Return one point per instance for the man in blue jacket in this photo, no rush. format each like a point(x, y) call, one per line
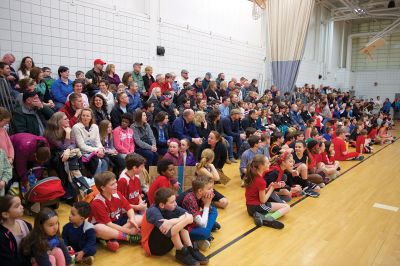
point(232, 130)
point(296, 117)
point(134, 97)
point(61, 88)
point(184, 128)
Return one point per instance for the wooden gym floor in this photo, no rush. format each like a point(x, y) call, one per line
point(341, 227)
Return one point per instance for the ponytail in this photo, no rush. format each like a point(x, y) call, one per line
point(252, 168)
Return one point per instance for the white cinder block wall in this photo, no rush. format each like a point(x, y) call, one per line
point(74, 32)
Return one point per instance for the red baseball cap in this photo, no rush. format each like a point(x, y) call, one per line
point(99, 61)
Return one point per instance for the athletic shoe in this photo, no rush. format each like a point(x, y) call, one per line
point(273, 223)
point(197, 255)
point(360, 158)
point(203, 244)
point(321, 185)
point(228, 161)
point(338, 169)
point(87, 260)
point(135, 239)
point(112, 245)
point(242, 183)
point(311, 193)
point(258, 219)
point(233, 160)
point(216, 227)
point(183, 256)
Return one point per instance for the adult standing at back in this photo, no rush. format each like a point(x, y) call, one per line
point(137, 77)
point(61, 88)
point(182, 79)
point(12, 77)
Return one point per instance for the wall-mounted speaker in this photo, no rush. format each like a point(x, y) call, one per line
point(160, 50)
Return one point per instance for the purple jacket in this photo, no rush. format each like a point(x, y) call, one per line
point(114, 80)
point(25, 146)
point(190, 160)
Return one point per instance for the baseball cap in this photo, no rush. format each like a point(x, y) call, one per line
point(184, 71)
point(137, 64)
point(208, 74)
point(165, 97)
point(27, 95)
point(99, 61)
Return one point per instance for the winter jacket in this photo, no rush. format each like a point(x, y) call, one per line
point(143, 136)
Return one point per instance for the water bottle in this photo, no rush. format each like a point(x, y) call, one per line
point(31, 179)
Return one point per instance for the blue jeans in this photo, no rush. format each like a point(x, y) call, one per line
point(151, 157)
point(229, 139)
point(201, 233)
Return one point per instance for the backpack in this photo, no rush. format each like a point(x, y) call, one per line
point(44, 190)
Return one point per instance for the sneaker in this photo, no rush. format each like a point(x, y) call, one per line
point(203, 244)
point(87, 260)
point(112, 245)
point(311, 193)
point(338, 169)
point(135, 239)
point(242, 183)
point(273, 223)
point(321, 185)
point(359, 158)
point(183, 256)
point(258, 219)
point(216, 227)
point(228, 161)
point(233, 160)
point(197, 255)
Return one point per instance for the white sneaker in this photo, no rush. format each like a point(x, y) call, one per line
point(203, 244)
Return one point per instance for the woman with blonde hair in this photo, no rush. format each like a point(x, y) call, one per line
point(112, 77)
point(200, 122)
point(87, 137)
point(205, 167)
point(148, 78)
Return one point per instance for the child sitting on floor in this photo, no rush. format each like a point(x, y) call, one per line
point(341, 152)
point(112, 215)
point(79, 234)
point(129, 184)
point(166, 178)
point(164, 227)
point(43, 244)
point(198, 203)
point(257, 195)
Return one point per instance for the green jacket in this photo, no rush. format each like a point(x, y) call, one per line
point(139, 81)
point(26, 121)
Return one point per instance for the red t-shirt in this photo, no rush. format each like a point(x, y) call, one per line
point(360, 141)
point(340, 147)
point(372, 133)
point(105, 211)
point(130, 188)
point(159, 182)
point(252, 191)
point(328, 160)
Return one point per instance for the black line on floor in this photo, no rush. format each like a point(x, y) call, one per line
point(230, 243)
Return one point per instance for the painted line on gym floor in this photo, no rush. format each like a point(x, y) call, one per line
point(385, 207)
point(230, 243)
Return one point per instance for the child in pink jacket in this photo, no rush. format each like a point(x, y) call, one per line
point(123, 136)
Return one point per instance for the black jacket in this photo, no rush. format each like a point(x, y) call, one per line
point(220, 153)
point(9, 254)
